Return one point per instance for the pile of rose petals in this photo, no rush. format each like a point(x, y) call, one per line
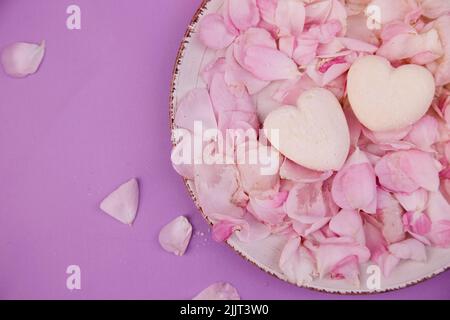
point(390, 201)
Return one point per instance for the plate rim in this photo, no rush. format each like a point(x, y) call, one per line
point(173, 83)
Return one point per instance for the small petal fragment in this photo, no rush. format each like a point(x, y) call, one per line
point(175, 236)
point(122, 204)
point(218, 291)
point(22, 59)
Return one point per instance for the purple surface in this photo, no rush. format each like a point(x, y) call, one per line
point(95, 115)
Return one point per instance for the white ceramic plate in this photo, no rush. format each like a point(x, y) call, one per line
point(192, 57)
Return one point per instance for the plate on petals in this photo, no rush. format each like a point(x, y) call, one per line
point(192, 58)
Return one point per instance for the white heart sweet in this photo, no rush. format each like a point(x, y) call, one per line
point(384, 98)
point(314, 134)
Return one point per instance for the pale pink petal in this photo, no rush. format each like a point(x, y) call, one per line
point(438, 207)
point(409, 249)
point(269, 64)
point(252, 230)
point(237, 77)
point(374, 240)
point(387, 263)
point(21, 59)
point(122, 204)
point(291, 171)
point(218, 291)
point(409, 45)
point(417, 223)
point(435, 8)
point(354, 187)
point(265, 101)
point(267, 8)
point(212, 68)
point(395, 28)
point(407, 171)
point(252, 37)
point(357, 45)
point(442, 74)
point(268, 209)
point(305, 225)
point(214, 33)
point(195, 106)
point(218, 190)
point(391, 10)
point(258, 167)
point(425, 133)
point(332, 256)
point(347, 269)
point(306, 200)
point(348, 223)
point(305, 51)
point(287, 45)
point(387, 137)
point(354, 126)
point(175, 236)
point(290, 17)
point(297, 263)
point(323, 11)
point(414, 201)
point(244, 14)
point(390, 213)
point(326, 32)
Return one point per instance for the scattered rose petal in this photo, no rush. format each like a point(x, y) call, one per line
point(218, 291)
point(175, 236)
point(122, 204)
point(21, 59)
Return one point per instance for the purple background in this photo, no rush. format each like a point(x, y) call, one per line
point(95, 115)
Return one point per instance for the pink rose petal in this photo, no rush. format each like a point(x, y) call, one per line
point(442, 74)
point(214, 32)
point(175, 236)
point(415, 201)
point(291, 171)
point(218, 291)
point(348, 223)
point(268, 209)
point(390, 213)
point(417, 223)
point(244, 14)
point(269, 64)
point(424, 133)
point(195, 106)
point(354, 186)
point(409, 249)
point(122, 204)
point(407, 171)
point(21, 59)
point(290, 17)
point(297, 262)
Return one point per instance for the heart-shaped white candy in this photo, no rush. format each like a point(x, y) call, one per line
point(314, 134)
point(384, 98)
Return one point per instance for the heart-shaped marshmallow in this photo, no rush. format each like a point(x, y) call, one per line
point(384, 98)
point(314, 134)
